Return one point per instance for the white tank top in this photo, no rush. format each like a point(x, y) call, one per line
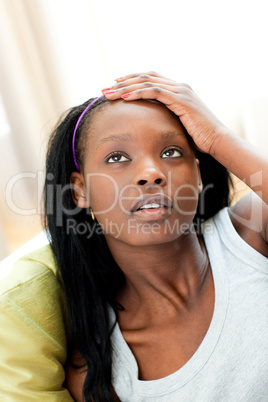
point(231, 364)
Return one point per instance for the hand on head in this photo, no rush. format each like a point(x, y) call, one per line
point(198, 120)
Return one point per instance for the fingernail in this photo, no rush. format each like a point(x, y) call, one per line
point(109, 92)
point(120, 78)
point(126, 95)
point(105, 89)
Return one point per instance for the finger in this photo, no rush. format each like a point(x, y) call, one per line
point(134, 78)
point(170, 99)
point(143, 80)
point(149, 73)
point(182, 89)
point(118, 93)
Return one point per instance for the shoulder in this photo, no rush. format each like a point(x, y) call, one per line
point(31, 295)
point(32, 290)
point(31, 267)
point(249, 217)
point(33, 329)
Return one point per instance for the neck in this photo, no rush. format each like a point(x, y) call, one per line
point(172, 274)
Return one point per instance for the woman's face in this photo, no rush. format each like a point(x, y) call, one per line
point(140, 175)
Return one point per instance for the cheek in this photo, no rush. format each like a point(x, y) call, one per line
point(186, 194)
point(186, 199)
point(103, 193)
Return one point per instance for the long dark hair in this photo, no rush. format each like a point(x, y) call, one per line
point(90, 276)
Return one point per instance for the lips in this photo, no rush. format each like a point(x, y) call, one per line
point(152, 202)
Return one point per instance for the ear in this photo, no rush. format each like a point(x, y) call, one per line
point(78, 190)
point(200, 184)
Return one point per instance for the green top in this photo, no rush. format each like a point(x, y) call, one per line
point(33, 331)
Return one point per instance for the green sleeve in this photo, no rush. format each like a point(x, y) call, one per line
point(32, 335)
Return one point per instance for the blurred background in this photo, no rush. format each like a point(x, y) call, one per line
point(55, 54)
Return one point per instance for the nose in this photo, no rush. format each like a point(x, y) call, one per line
point(150, 174)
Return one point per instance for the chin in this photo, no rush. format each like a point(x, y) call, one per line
point(149, 233)
point(152, 238)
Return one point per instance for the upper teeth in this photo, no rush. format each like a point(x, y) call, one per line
point(147, 206)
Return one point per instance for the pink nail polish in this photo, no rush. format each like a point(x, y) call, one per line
point(109, 92)
point(105, 89)
point(120, 78)
point(125, 95)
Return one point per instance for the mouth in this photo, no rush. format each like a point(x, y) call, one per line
point(153, 206)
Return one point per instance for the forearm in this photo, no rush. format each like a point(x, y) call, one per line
point(244, 161)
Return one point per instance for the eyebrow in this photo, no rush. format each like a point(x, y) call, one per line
point(114, 138)
point(170, 134)
point(127, 137)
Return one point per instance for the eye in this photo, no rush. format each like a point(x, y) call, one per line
point(116, 157)
point(171, 153)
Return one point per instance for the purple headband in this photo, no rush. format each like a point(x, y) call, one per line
point(76, 127)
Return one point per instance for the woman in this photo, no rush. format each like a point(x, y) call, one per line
point(162, 305)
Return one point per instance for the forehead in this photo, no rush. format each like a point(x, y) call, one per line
point(132, 117)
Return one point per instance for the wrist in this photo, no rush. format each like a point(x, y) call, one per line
point(222, 137)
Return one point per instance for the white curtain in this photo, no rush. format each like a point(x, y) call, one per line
point(35, 90)
point(31, 94)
